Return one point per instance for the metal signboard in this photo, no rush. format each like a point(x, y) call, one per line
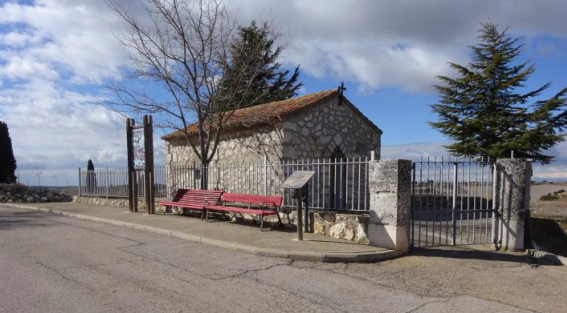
point(298, 179)
point(139, 148)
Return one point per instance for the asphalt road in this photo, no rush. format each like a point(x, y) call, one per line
point(50, 263)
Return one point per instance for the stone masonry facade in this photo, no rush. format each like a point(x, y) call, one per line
point(314, 133)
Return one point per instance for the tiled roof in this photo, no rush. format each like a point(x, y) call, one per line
point(265, 114)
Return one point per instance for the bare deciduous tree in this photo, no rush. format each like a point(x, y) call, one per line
point(180, 51)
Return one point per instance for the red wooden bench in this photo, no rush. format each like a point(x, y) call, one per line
point(193, 200)
point(249, 204)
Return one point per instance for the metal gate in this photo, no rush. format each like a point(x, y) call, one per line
point(453, 202)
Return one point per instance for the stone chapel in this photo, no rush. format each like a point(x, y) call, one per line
point(314, 126)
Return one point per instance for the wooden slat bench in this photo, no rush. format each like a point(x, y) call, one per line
point(249, 204)
point(193, 199)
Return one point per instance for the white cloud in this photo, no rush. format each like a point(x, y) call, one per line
point(51, 53)
point(402, 44)
point(72, 36)
point(414, 151)
point(557, 170)
point(57, 128)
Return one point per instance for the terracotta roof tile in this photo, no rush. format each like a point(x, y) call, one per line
point(265, 114)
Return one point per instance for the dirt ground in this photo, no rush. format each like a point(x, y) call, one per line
point(510, 278)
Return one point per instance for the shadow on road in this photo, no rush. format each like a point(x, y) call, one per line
point(11, 220)
point(464, 253)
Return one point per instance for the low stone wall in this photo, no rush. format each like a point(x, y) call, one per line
point(352, 227)
point(121, 202)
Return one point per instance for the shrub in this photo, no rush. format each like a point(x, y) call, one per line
point(549, 197)
point(13, 188)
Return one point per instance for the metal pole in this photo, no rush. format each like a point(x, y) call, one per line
point(494, 180)
point(107, 183)
point(299, 216)
point(265, 174)
point(79, 181)
point(131, 172)
point(412, 204)
point(454, 217)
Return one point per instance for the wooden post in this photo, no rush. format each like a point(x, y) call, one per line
point(131, 179)
point(135, 190)
point(299, 216)
point(149, 164)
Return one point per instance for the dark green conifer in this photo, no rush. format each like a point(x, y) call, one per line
point(7, 159)
point(261, 78)
point(486, 111)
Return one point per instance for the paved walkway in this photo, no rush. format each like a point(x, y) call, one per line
point(239, 236)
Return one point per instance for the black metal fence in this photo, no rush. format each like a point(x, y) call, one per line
point(338, 184)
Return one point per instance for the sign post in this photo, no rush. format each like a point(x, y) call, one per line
point(296, 182)
point(139, 139)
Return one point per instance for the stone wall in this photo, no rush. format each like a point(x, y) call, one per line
point(237, 147)
point(119, 202)
point(316, 132)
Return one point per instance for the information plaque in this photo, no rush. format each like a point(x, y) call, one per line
point(298, 179)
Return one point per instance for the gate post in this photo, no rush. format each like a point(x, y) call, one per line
point(390, 204)
point(454, 207)
point(514, 202)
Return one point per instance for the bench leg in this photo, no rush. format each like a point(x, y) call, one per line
point(279, 220)
point(261, 222)
point(224, 216)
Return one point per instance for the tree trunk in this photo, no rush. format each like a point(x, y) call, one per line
point(204, 175)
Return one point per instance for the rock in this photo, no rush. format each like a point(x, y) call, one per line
point(44, 199)
point(342, 231)
point(319, 225)
point(29, 199)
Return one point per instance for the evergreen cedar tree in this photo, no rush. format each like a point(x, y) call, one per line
point(7, 159)
point(253, 51)
point(90, 179)
point(90, 165)
point(486, 115)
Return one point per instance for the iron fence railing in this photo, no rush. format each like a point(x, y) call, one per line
point(453, 202)
point(338, 184)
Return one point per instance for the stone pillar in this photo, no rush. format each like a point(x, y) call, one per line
point(390, 200)
point(514, 178)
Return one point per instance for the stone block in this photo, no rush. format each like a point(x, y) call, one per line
point(514, 178)
point(390, 200)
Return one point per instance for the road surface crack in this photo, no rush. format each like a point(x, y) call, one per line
point(244, 272)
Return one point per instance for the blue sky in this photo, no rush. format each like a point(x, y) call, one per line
point(55, 54)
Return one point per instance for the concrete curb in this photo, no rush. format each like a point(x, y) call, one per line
point(363, 257)
point(547, 256)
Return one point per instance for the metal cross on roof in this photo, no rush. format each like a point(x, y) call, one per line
point(341, 90)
